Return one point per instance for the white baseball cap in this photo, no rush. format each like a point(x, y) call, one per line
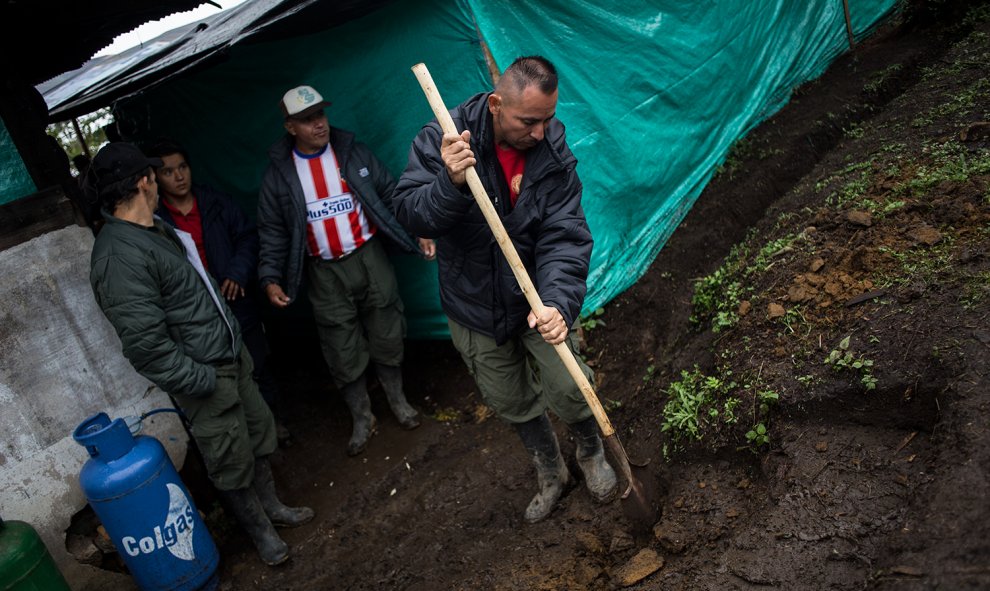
point(301, 101)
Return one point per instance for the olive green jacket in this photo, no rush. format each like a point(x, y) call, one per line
point(172, 328)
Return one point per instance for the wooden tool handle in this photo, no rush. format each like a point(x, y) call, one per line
point(502, 237)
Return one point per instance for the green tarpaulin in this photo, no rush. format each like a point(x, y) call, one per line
point(15, 182)
point(653, 95)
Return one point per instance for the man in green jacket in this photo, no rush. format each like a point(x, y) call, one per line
point(177, 331)
point(325, 206)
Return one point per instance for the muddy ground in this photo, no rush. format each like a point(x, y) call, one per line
point(861, 210)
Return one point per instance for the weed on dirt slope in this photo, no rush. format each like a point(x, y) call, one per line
point(805, 364)
point(826, 418)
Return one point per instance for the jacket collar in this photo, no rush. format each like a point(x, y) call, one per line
point(548, 156)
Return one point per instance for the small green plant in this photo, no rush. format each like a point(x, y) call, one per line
point(976, 290)
point(592, 320)
point(690, 398)
point(843, 358)
point(757, 436)
point(852, 191)
point(766, 399)
point(806, 380)
point(716, 300)
point(729, 410)
point(880, 78)
point(770, 250)
point(739, 152)
point(649, 373)
point(855, 131)
point(794, 318)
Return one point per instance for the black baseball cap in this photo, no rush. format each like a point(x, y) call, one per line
point(117, 161)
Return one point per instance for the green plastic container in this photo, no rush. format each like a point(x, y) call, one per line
point(25, 564)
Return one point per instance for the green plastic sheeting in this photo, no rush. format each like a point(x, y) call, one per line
point(15, 182)
point(655, 92)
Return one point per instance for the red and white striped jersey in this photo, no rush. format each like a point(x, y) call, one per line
point(337, 223)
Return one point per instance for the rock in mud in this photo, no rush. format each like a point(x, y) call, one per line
point(860, 218)
point(643, 564)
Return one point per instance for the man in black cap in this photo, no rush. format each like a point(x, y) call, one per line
point(325, 206)
point(178, 332)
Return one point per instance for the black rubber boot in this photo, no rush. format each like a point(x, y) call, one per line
point(551, 471)
point(247, 510)
point(391, 380)
point(356, 397)
point(599, 476)
point(279, 514)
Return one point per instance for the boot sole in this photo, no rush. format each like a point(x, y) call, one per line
point(606, 498)
point(410, 425)
point(276, 562)
point(287, 525)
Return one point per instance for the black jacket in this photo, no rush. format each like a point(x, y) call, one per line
point(547, 226)
point(230, 240)
point(282, 207)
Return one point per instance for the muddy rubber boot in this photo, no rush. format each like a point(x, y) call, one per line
point(551, 471)
point(356, 397)
point(278, 513)
point(247, 510)
point(391, 380)
point(599, 476)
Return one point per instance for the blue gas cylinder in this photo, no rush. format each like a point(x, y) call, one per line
point(149, 515)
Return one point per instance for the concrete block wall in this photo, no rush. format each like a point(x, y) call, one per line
point(60, 362)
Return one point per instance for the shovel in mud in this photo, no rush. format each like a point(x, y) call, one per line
point(638, 499)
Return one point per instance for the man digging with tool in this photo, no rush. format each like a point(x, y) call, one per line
point(177, 331)
point(524, 163)
point(325, 206)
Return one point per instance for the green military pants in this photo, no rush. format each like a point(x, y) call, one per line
point(358, 312)
point(232, 426)
point(520, 379)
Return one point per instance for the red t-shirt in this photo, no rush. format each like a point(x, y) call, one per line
point(192, 223)
point(513, 163)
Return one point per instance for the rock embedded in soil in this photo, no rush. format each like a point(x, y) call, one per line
point(643, 564)
point(926, 235)
point(860, 218)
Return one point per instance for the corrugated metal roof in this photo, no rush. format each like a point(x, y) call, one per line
point(41, 39)
point(101, 81)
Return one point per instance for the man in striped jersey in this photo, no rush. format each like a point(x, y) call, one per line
point(325, 209)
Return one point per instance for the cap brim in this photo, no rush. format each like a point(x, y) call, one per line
point(309, 110)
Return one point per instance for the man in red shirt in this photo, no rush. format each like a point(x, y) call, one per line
point(523, 160)
point(227, 242)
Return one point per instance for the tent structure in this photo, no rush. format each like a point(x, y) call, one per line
point(653, 94)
